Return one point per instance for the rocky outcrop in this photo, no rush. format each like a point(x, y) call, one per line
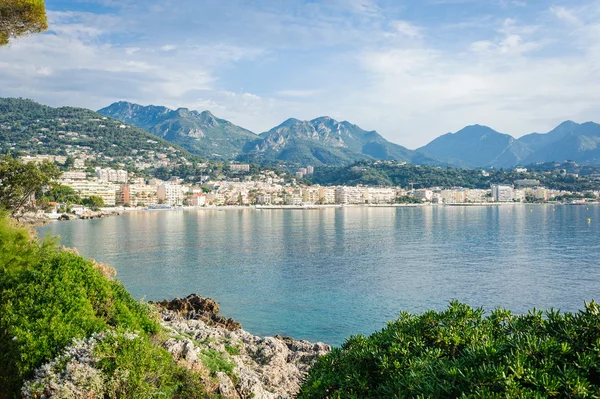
point(260, 368)
point(231, 362)
point(195, 307)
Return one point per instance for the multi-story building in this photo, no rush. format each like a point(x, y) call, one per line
point(424, 194)
point(73, 175)
point(327, 195)
point(477, 195)
point(310, 170)
point(134, 194)
point(502, 193)
point(171, 194)
point(311, 195)
point(240, 167)
point(112, 175)
point(87, 188)
point(350, 195)
point(292, 199)
point(381, 195)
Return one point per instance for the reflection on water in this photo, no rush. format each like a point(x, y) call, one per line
point(326, 274)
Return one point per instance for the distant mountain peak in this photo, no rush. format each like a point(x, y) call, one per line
point(199, 132)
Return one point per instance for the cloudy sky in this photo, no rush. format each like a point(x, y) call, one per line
point(410, 69)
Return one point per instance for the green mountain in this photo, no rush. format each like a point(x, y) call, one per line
point(325, 141)
point(477, 146)
point(199, 132)
point(27, 127)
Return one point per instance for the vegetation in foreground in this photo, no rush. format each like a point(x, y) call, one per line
point(460, 352)
point(50, 297)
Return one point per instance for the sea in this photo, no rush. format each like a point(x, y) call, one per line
point(326, 274)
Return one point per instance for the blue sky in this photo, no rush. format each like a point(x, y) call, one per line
point(412, 70)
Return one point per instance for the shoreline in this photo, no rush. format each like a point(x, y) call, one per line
point(116, 211)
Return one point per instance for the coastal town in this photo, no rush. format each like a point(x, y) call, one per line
point(117, 187)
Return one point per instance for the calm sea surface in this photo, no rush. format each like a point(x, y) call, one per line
point(325, 274)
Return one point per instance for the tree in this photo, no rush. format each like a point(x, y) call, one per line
point(21, 17)
point(94, 202)
point(19, 181)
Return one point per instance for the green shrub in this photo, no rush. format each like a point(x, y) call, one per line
point(49, 296)
point(136, 368)
point(461, 353)
point(232, 350)
point(215, 362)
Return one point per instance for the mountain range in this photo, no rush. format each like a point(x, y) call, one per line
point(480, 146)
point(321, 141)
point(325, 141)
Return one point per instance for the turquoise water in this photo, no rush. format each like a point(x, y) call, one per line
point(325, 274)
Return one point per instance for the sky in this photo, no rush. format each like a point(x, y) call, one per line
point(410, 69)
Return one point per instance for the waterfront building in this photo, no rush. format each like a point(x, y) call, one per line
point(87, 188)
point(311, 195)
point(502, 193)
point(477, 195)
point(263, 199)
point(350, 195)
point(134, 194)
point(327, 195)
point(424, 194)
point(171, 194)
point(381, 195)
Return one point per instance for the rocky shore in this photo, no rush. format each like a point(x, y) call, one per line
point(261, 367)
point(232, 362)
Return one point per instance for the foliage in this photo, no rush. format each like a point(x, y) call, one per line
point(460, 352)
point(136, 368)
point(392, 173)
point(27, 127)
point(216, 362)
point(49, 296)
point(19, 181)
point(21, 17)
point(408, 200)
point(60, 194)
point(94, 202)
point(232, 350)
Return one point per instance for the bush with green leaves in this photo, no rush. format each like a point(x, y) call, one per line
point(48, 297)
point(461, 352)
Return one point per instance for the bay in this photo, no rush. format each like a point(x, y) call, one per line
point(323, 275)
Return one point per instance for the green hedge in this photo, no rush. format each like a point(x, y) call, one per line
point(462, 353)
point(49, 296)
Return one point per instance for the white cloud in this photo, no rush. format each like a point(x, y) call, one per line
point(407, 29)
point(410, 79)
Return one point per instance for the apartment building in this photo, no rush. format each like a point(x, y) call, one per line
point(112, 175)
point(87, 188)
point(381, 195)
point(502, 193)
point(171, 194)
point(327, 195)
point(350, 195)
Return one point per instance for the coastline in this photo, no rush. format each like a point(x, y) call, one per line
point(43, 219)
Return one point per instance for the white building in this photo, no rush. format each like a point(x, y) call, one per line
point(264, 199)
point(327, 195)
point(171, 194)
point(350, 195)
point(502, 193)
point(381, 195)
point(240, 167)
point(86, 188)
point(112, 175)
